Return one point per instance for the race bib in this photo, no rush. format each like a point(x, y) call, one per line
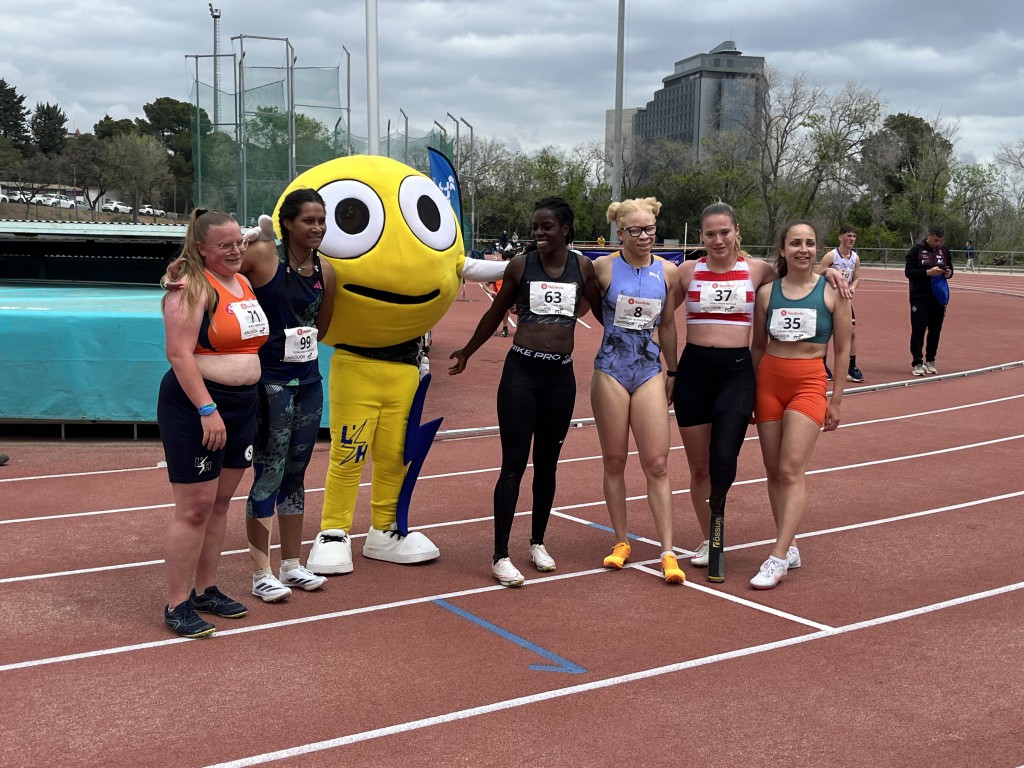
point(300, 345)
point(550, 298)
point(636, 313)
point(847, 275)
point(723, 296)
point(793, 324)
point(251, 320)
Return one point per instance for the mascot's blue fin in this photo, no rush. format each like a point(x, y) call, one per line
point(418, 439)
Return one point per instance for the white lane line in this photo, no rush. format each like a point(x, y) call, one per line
point(646, 674)
point(485, 470)
point(461, 593)
point(739, 600)
point(494, 429)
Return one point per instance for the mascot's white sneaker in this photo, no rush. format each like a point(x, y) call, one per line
point(389, 545)
point(331, 553)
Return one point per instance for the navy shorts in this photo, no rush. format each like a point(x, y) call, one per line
point(181, 430)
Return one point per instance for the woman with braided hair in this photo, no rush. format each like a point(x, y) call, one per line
point(550, 286)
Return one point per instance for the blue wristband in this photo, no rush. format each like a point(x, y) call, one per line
point(207, 409)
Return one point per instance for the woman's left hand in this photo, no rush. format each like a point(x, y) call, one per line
point(836, 280)
point(831, 417)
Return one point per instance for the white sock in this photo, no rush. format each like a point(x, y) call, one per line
point(289, 565)
point(259, 573)
point(667, 552)
point(781, 560)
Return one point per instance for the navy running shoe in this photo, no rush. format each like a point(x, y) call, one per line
point(216, 602)
point(828, 373)
point(184, 621)
point(855, 375)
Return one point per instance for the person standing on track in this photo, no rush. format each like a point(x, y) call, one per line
point(847, 261)
point(628, 391)
point(207, 412)
point(794, 317)
point(927, 261)
point(550, 287)
point(296, 290)
point(714, 384)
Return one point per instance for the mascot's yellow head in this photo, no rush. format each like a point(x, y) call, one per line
point(395, 245)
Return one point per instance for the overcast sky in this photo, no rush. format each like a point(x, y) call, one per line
point(529, 73)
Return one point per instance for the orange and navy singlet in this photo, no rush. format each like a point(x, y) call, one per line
point(239, 324)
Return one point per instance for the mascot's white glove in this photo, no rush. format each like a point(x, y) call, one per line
point(481, 271)
point(265, 231)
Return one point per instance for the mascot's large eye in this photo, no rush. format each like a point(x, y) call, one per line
point(427, 212)
point(355, 219)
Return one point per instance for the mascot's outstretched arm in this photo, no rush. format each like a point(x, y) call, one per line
point(482, 271)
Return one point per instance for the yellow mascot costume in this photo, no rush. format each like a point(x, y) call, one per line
point(397, 251)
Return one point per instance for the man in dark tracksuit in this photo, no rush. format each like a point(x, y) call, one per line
point(927, 259)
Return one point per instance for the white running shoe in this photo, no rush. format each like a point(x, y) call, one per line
point(770, 575)
point(268, 589)
point(507, 574)
point(700, 556)
point(541, 558)
point(331, 552)
point(929, 367)
point(918, 370)
point(392, 547)
point(792, 558)
point(303, 578)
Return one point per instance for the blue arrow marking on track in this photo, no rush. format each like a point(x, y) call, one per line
point(612, 530)
point(559, 664)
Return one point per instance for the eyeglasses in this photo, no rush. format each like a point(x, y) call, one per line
point(241, 244)
point(650, 229)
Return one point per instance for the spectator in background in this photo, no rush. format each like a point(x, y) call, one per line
point(927, 259)
point(969, 253)
point(846, 260)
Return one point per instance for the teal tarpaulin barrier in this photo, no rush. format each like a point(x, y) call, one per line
point(85, 353)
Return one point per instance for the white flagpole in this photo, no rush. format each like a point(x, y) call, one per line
point(372, 81)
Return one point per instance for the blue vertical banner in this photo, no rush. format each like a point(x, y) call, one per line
point(443, 174)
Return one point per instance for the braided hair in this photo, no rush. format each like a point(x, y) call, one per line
point(562, 212)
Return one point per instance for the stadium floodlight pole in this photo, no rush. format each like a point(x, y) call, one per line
point(472, 184)
point(458, 165)
point(616, 157)
point(405, 149)
point(215, 13)
point(372, 81)
point(348, 96)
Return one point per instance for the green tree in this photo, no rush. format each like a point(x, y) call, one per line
point(172, 122)
point(138, 164)
point(108, 127)
point(85, 159)
point(13, 116)
point(49, 128)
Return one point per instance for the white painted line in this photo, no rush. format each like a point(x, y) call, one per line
point(590, 421)
point(646, 674)
point(739, 600)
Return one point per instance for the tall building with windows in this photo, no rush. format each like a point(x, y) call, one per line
point(706, 93)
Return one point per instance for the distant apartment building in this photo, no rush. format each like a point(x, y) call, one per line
point(609, 138)
point(706, 93)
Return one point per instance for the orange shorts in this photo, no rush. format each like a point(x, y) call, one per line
point(790, 385)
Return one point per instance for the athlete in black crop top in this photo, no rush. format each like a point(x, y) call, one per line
point(552, 287)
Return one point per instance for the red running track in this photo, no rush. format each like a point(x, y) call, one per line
point(898, 641)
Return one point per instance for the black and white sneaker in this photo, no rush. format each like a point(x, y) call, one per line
point(183, 620)
point(216, 602)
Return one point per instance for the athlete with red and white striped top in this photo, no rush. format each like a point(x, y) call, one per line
point(714, 387)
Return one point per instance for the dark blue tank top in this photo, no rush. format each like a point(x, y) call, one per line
point(290, 301)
